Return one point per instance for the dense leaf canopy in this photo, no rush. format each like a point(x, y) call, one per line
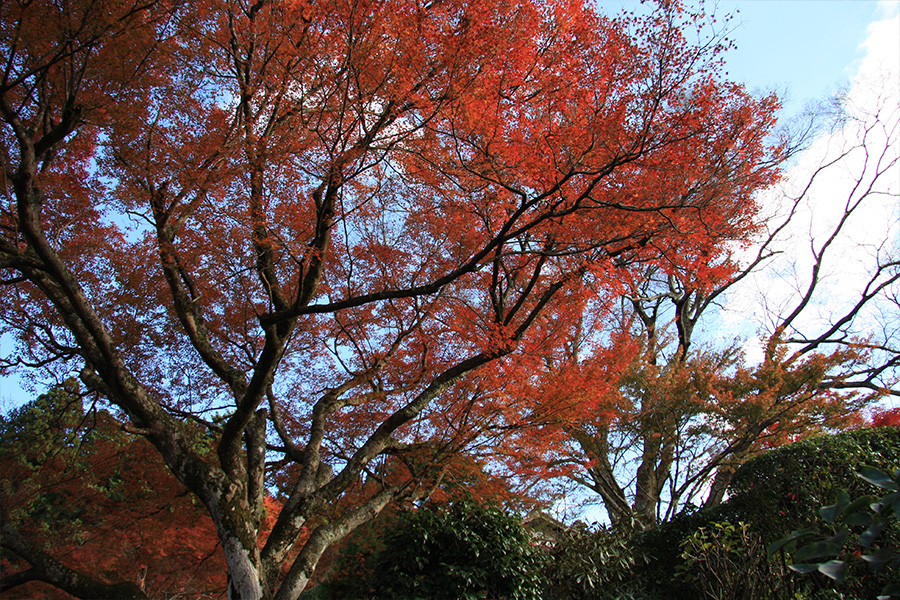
point(333, 233)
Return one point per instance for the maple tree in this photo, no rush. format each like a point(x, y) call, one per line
point(670, 420)
point(76, 486)
point(333, 234)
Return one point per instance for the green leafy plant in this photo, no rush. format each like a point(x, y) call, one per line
point(458, 551)
point(727, 561)
point(856, 527)
point(595, 564)
point(782, 490)
point(350, 576)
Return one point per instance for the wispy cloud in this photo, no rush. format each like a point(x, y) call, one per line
point(854, 152)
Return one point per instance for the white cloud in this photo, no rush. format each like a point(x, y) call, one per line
point(872, 113)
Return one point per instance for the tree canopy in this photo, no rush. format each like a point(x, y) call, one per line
point(650, 418)
point(334, 234)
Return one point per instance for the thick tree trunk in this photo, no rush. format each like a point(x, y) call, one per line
point(243, 575)
point(720, 483)
point(238, 536)
point(656, 461)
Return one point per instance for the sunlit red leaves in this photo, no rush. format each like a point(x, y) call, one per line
point(884, 417)
point(470, 125)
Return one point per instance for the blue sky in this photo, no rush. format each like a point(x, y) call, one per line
point(808, 47)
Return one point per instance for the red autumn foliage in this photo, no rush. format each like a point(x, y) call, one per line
point(884, 417)
point(97, 499)
point(349, 230)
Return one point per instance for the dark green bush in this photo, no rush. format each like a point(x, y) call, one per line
point(662, 546)
point(588, 565)
point(453, 552)
point(459, 551)
point(775, 493)
point(468, 551)
point(350, 576)
point(782, 490)
point(852, 532)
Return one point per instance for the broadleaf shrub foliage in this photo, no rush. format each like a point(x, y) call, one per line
point(457, 551)
point(782, 490)
point(775, 493)
point(464, 550)
point(854, 531)
point(594, 564)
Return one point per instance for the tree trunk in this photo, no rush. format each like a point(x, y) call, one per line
point(720, 483)
point(243, 575)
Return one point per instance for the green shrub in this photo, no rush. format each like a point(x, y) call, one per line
point(854, 528)
point(775, 493)
point(587, 564)
point(457, 551)
point(350, 575)
point(729, 562)
point(782, 490)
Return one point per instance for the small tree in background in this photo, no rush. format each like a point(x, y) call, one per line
point(649, 420)
point(727, 562)
point(79, 489)
point(583, 563)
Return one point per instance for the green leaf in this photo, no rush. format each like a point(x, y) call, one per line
point(830, 513)
point(878, 477)
point(880, 557)
point(791, 537)
point(817, 550)
point(804, 568)
point(859, 519)
point(843, 498)
point(840, 537)
point(870, 535)
point(835, 569)
point(892, 499)
point(860, 503)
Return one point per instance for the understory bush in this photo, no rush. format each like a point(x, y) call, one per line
point(728, 561)
point(852, 536)
point(773, 494)
point(457, 551)
point(588, 565)
point(782, 490)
